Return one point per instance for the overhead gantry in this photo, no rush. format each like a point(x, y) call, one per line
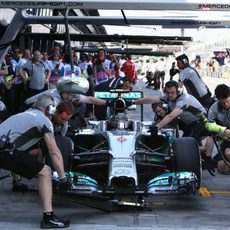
point(21, 18)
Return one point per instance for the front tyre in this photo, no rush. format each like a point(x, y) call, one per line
point(187, 156)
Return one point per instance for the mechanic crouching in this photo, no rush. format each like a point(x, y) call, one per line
point(183, 107)
point(219, 112)
point(60, 119)
point(160, 111)
point(19, 134)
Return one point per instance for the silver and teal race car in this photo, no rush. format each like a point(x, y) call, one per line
point(119, 157)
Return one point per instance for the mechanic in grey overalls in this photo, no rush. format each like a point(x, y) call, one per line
point(219, 112)
point(184, 106)
point(160, 111)
point(190, 78)
point(17, 185)
point(20, 133)
point(66, 92)
point(69, 90)
point(63, 114)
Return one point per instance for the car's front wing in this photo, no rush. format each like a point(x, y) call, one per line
point(173, 183)
point(170, 183)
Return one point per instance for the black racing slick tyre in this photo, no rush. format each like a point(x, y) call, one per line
point(187, 156)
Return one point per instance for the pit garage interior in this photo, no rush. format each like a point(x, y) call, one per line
point(82, 23)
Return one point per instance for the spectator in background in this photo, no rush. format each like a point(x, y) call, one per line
point(173, 71)
point(114, 65)
point(129, 69)
point(56, 50)
point(160, 68)
point(39, 74)
point(149, 73)
point(102, 68)
point(45, 57)
point(26, 56)
point(122, 60)
point(55, 65)
point(18, 86)
point(87, 72)
point(3, 73)
point(86, 68)
point(9, 81)
point(66, 69)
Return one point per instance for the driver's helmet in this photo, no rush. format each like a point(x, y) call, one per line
point(119, 121)
point(73, 84)
point(120, 105)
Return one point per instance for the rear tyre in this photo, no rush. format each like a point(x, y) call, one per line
point(187, 156)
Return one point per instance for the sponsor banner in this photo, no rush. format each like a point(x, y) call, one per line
point(121, 4)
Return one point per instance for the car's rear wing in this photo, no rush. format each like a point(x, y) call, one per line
point(127, 95)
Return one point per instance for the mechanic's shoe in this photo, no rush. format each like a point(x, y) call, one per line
point(19, 187)
point(54, 222)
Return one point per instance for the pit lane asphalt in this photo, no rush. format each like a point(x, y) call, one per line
point(208, 210)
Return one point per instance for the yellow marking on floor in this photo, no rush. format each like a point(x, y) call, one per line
point(220, 192)
point(204, 192)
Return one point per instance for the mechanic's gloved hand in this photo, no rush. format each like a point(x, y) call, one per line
point(210, 165)
point(64, 184)
point(129, 103)
point(153, 130)
point(214, 128)
point(110, 103)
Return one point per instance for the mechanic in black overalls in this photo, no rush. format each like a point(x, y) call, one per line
point(192, 81)
point(184, 107)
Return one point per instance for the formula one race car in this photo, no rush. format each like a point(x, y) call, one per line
point(120, 157)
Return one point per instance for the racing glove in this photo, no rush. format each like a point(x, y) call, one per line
point(214, 128)
point(64, 185)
